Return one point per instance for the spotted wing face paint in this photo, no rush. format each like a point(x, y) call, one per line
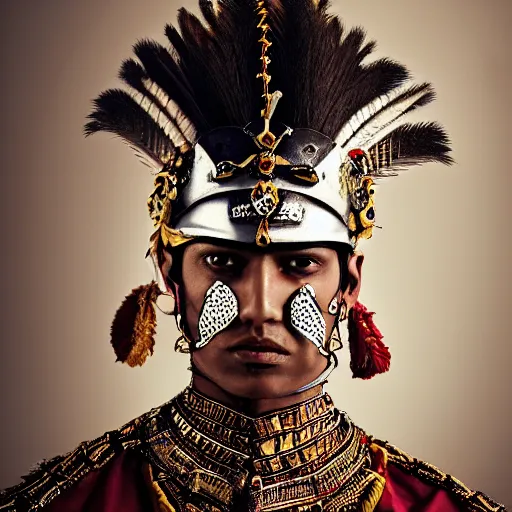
point(220, 308)
point(306, 317)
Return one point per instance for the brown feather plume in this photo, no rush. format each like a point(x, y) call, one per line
point(134, 326)
point(208, 78)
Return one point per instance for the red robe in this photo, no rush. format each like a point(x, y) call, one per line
point(122, 487)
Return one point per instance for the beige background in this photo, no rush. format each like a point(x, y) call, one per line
point(74, 231)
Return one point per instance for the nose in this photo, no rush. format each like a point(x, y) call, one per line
point(261, 293)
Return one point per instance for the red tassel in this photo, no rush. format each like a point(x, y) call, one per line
point(368, 355)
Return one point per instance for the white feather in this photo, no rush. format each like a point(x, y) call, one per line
point(360, 117)
point(381, 117)
point(366, 113)
point(354, 123)
point(346, 132)
point(173, 122)
point(173, 112)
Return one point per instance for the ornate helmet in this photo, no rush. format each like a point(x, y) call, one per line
point(264, 125)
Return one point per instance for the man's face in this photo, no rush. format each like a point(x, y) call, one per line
point(259, 355)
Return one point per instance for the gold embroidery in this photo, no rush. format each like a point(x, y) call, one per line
point(173, 237)
point(302, 456)
point(472, 500)
point(160, 501)
point(57, 475)
point(199, 449)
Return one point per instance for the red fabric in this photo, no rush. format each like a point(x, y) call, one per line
point(119, 486)
point(368, 354)
point(405, 493)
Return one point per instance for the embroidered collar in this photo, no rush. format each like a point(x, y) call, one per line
point(297, 456)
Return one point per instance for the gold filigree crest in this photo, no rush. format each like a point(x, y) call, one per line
point(356, 183)
point(265, 195)
point(261, 163)
point(168, 185)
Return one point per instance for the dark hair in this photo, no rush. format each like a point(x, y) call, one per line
point(346, 279)
point(174, 274)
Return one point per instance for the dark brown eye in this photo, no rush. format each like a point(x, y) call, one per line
point(222, 261)
point(300, 262)
point(301, 265)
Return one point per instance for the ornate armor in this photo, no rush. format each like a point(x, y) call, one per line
point(196, 455)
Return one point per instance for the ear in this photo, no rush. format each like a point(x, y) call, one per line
point(354, 265)
point(165, 268)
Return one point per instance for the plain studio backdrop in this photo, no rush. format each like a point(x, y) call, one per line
point(75, 227)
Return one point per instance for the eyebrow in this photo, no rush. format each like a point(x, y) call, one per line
point(264, 250)
point(273, 248)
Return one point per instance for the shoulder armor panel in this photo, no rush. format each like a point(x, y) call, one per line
point(52, 477)
point(471, 500)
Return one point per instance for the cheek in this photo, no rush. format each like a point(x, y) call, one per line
point(326, 291)
point(193, 304)
point(329, 323)
point(204, 357)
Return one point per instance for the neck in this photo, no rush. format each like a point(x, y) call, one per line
point(250, 406)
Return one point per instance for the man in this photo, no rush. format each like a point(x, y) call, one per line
point(259, 205)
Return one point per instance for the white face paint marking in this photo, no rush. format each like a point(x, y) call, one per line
point(220, 308)
point(306, 317)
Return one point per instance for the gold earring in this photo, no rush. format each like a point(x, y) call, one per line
point(343, 311)
point(183, 343)
point(340, 332)
point(166, 303)
point(333, 306)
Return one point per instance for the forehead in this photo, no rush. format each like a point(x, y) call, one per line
point(254, 251)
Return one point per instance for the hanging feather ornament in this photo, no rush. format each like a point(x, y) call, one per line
point(368, 355)
point(134, 326)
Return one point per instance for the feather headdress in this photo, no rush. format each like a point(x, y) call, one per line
point(211, 76)
point(207, 78)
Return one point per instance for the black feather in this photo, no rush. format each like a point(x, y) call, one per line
point(117, 112)
point(134, 75)
point(411, 144)
point(210, 72)
point(168, 74)
point(208, 12)
point(222, 61)
point(425, 95)
point(320, 72)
